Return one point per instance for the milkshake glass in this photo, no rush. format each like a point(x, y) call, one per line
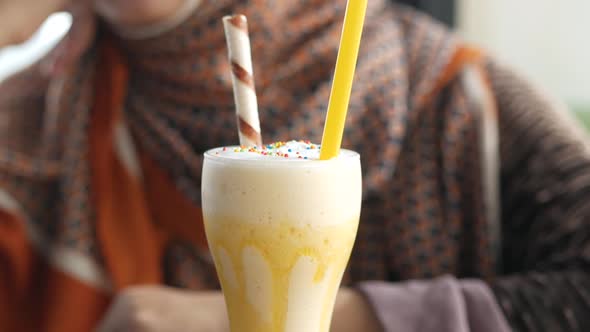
point(281, 226)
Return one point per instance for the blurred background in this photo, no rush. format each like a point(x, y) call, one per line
point(544, 39)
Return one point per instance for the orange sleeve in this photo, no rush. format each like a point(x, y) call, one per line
point(34, 296)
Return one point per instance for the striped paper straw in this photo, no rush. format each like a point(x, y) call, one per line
point(238, 42)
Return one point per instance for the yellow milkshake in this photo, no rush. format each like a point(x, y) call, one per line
point(281, 228)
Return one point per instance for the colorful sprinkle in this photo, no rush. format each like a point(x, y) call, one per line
point(301, 149)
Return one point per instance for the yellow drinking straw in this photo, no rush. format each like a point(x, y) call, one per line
point(343, 77)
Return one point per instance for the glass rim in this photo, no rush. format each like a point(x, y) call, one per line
point(346, 156)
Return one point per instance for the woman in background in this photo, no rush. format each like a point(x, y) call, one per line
point(476, 186)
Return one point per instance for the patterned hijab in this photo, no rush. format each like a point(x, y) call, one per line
point(424, 213)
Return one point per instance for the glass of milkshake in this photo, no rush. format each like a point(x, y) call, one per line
point(281, 225)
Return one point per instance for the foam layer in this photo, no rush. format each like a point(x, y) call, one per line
point(292, 150)
point(263, 189)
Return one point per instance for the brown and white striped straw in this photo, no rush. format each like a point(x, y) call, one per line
point(238, 42)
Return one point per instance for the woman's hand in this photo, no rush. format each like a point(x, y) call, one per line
point(353, 313)
point(162, 309)
point(19, 19)
point(121, 14)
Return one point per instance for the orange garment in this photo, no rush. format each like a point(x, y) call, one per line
point(134, 220)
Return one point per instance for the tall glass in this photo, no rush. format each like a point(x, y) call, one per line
point(281, 232)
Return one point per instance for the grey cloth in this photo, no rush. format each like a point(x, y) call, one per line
point(444, 304)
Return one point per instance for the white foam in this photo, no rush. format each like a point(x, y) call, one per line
point(292, 150)
point(261, 189)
